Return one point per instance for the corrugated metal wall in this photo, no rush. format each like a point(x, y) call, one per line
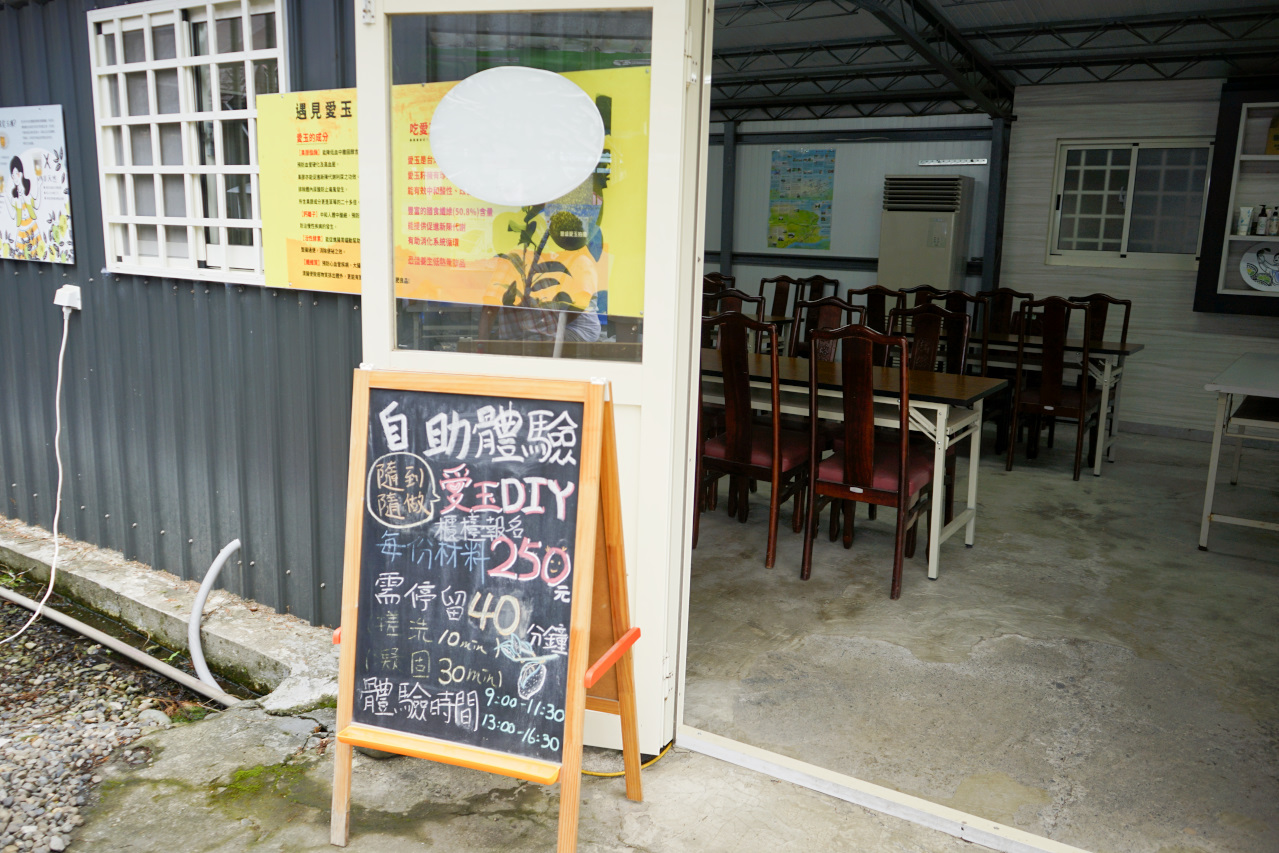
point(193, 414)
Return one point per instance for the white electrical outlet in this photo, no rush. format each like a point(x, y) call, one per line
point(68, 296)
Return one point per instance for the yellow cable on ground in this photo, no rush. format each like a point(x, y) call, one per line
point(648, 763)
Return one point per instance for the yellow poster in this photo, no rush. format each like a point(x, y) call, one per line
point(587, 245)
point(309, 177)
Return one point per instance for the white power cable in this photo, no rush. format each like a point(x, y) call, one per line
point(57, 453)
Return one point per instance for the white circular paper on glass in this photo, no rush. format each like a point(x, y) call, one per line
point(517, 136)
point(1260, 267)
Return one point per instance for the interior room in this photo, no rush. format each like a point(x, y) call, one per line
point(1084, 671)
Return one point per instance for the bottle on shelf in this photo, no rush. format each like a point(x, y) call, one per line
point(1263, 222)
point(1272, 227)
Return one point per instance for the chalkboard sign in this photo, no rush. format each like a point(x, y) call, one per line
point(467, 565)
point(484, 570)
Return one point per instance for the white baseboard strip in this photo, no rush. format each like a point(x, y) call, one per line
point(968, 827)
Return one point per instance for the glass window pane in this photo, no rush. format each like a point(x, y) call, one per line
point(175, 241)
point(552, 277)
point(208, 154)
point(117, 195)
point(1090, 203)
point(1089, 228)
point(231, 86)
point(171, 145)
point(208, 200)
point(239, 236)
point(1073, 158)
point(115, 145)
point(163, 42)
point(135, 85)
point(144, 196)
point(263, 31)
point(135, 46)
point(148, 242)
point(140, 145)
point(235, 143)
point(199, 39)
point(239, 197)
point(230, 35)
point(166, 91)
point(112, 95)
point(1170, 194)
point(108, 47)
point(175, 196)
point(203, 91)
point(120, 238)
point(266, 77)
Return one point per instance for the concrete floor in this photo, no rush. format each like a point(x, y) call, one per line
point(1083, 673)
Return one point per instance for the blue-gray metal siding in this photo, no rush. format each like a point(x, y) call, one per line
point(193, 414)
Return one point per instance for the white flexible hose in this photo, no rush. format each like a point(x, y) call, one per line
point(197, 613)
point(192, 684)
point(57, 453)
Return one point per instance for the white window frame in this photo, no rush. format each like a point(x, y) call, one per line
point(1122, 259)
point(206, 260)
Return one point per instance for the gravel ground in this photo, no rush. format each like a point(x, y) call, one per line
point(66, 705)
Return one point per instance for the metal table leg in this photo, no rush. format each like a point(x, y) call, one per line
point(1223, 407)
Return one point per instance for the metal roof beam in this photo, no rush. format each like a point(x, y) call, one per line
point(943, 47)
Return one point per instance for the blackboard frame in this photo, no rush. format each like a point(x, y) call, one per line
point(598, 586)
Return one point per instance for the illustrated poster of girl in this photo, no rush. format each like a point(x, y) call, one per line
point(21, 203)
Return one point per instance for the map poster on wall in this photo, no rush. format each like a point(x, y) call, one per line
point(36, 222)
point(801, 188)
point(308, 154)
point(586, 246)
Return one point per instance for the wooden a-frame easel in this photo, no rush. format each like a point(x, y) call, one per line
point(600, 631)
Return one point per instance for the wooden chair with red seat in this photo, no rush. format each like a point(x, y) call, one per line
point(1053, 397)
point(829, 312)
point(746, 449)
point(977, 307)
point(870, 467)
point(939, 344)
point(879, 302)
point(1003, 314)
point(782, 286)
point(813, 287)
point(1005, 309)
point(1100, 303)
point(729, 299)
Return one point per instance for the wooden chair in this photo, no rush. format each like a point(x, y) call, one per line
point(780, 307)
point(829, 312)
point(977, 307)
point(712, 281)
point(1004, 310)
point(1053, 397)
point(728, 299)
point(920, 294)
point(879, 302)
point(868, 468)
point(1100, 303)
point(747, 450)
point(813, 287)
point(939, 344)
point(1003, 315)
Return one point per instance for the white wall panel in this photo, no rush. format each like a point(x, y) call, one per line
point(1164, 383)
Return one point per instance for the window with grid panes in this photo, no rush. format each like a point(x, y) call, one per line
point(174, 89)
point(1123, 203)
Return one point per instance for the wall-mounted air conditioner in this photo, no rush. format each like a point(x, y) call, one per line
point(923, 236)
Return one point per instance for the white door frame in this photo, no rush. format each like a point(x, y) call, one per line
point(654, 400)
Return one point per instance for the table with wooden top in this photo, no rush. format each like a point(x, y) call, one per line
point(1105, 364)
point(1254, 377)
point(945, 407)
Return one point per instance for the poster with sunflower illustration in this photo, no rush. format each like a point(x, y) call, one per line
point(453, 247)
point(35, 224)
